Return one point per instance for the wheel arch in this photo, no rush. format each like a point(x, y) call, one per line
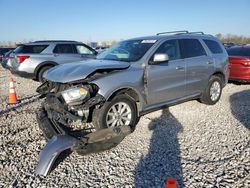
point(131, 92)
point(44, 64)
point(221, 75)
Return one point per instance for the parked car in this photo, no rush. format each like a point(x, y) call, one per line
point(239, 63)
point(31, 60)
point(3, 51)
point(229, 44)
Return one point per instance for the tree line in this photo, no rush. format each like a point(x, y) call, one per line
point(228, 38)
point(231, 38)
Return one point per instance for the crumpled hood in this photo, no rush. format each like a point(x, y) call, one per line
point(80, 70)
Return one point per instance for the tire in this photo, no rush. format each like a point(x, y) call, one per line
point(41, 72)
point(212, 93)
point(45, 124)
point(101, 119)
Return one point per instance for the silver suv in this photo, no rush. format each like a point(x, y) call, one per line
point(31, 60)
point(130, 79)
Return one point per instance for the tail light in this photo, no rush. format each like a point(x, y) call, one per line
point(22, 58)
point(247, 63)
point(240, 60)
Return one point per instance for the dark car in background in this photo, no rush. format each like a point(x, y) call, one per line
point(239, 63)
point(3, 51)
point(229, 44)
point(31, 60)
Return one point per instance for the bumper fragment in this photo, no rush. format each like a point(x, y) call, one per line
point(49, 154)
point(98, 141)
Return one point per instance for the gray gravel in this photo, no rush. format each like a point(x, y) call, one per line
point(199, 145)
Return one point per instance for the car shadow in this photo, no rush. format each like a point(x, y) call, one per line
point(238, 82)
point(163, 159)
point(240, 107)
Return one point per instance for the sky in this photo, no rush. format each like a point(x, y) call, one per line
point(86, 20)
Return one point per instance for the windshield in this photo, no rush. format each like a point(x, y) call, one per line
point(128, 51)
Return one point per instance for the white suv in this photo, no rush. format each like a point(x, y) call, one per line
point(31, 60)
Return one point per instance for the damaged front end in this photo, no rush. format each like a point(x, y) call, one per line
point(65, 119)
point(66, 105)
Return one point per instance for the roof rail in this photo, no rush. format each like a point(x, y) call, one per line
point(169, 32)
point(40, 41)
point(181, 32)
point(197, 32)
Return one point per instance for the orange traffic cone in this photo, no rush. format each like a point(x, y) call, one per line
point(171, 183)
point(12, 93)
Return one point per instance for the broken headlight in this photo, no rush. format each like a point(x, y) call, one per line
point(75, 95)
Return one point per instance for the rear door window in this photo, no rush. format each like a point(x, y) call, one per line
point(64, 49)
point(213, 46)
point(30, 49)
point(191, 48)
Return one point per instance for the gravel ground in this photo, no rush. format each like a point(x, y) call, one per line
point(199, 145)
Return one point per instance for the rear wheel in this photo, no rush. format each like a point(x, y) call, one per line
point(212, 93)
point(120, 111)
point(42, 71)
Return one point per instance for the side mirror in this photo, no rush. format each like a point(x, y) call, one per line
point(160, 58)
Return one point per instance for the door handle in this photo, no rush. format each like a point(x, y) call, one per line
point(210, 62)
point(179, 68)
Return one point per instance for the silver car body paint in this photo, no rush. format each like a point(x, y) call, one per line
point(80, 70)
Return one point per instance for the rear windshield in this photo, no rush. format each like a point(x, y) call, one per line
point(30, 49)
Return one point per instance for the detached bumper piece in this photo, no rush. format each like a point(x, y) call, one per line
point(49, 154)
point(62, 140)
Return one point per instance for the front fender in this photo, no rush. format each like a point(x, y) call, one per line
point(131, 78)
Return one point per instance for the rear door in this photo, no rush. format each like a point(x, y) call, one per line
point(166, 81)
point(198, 65)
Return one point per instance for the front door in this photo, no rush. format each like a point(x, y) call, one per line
point(166, 81)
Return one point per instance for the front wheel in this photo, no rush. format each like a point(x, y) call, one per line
point(212, 93)
point(120, 111)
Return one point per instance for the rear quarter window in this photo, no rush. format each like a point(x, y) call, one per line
point(30, 49)
point(213, 46)
point(191, 48)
